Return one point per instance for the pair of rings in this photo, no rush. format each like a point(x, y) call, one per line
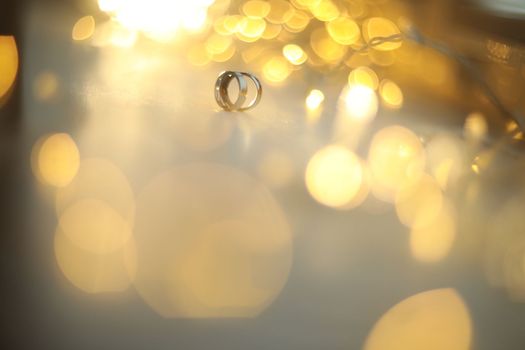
point(223, 98)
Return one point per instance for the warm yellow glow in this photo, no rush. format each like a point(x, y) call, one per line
point(8, 63)
point(305, 4)
point(314, 99)
point(271, 31)
point(476, 127)
point(343, 30)
point(334, 176)
point(231, 23)
point(96, 273)
point(419, 203)
point(252, 27)
point(99, 179)
point(57, 160)
point(205, 247)
point(280, 11)
point(363, 76)
point(226, 55)
point(511, 126)
point(324, 10)
point(360, 102)
point(94, 226)
point(276, 70)
point(199, 56)
point(158, 19)
point(294, 54)
point(325, 47)
point(382, 58)
point(475, 168)
point(217, 44)
point(276, 169)
point(446, 159)
point(112, 33)
point(432, 320)
point(45, 86)
point(434, 241)
point(83, 28)
point(377, 27)
point(391, 94)
point(256, 8)
point(396, 157)
point(297, 22)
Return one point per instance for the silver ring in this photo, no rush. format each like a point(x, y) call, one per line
point(221, 91)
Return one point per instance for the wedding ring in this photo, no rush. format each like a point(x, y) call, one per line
point(221, 91)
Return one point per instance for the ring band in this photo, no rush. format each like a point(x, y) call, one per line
point(221, 91)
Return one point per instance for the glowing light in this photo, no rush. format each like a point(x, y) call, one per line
point(96, 273)
point(432, 242)
point(201, 258)
point(324, 10)
point(391, 94)
point(271, 31)
point(256, 8)
point(382, 58)
point(314, 99)
point(252, 27)
point(198, 55)
point(294, 54)
point(217, 44)
point(361, 103)
point(8, 63)
point(334, 176)
point(325, 47)
point(297, 22)
point(378, 27)
point(343, 30)
point(231, 23)
point(280, 11)
point(83, 28)
point(94, 226)
point(363, 76)
point(446, 159)
point(433, 320)
point(57, 160)
point(158, 19)
point(276, 70)
point(99, 179)
point(396, 157)
point(476, 127)
point(419, 203)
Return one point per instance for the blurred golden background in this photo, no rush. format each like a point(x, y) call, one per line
point(373, 200)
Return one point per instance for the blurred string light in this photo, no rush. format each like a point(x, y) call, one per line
point(322, 35)
point(314, 99)
point(158, 19)
point(334, 176)
point(83, 28)
point(8, 64)
point(396, 158)
point(434, 320)
point(205, 247)
point(55, 159)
